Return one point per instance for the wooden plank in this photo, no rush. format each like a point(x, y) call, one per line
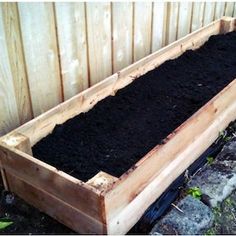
point(219, 11)
point(55, 182)
point(197, 15)
point(102, 181)
point(172, 22)
point(229, 8)
point(40, 48)
point(234, 13)
point(71, 28)
point(191, 41)
point(182, 148)
point(18, 141)
point(158, 25)
point(17, 61)
point(209, 12)
point(39, 127)
point(185, 13)
point(122, 30)
point(59, 210)
point(227, 24)
point(142, 29)
point(9, 117)
point(99, 40)
point(125, 198)
point(43, 125)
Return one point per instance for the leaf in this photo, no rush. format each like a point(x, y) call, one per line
point(5, 224)
point(195, 192)
point(210, 160)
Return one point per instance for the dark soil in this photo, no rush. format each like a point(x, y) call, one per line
point(121, 129)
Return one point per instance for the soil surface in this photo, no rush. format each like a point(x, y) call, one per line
point(121, 129)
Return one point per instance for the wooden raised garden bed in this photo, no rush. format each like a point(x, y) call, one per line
point(107, 204)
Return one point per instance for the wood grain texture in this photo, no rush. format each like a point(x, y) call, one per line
point(51, 52)
point(52, 181)
point(41, 54)
point(172, 21)
point(99, 40)
point(9, 117)
point(197, 15)
point(17, 61)
point(183, 147)
point(158, 25)
point(142, 29)
point(229, 8)
point(54, 207)
point(185, 12)
point(220, 9)
point(125, 198)
point(71, 28)
point(209, 12)
point(122, 33)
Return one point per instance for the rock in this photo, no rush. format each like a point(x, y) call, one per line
point(218, 180)
point(228, 152)
point(228, 216)
point(225, 217)
point(194, 218)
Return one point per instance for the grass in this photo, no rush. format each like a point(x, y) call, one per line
point(195, 192)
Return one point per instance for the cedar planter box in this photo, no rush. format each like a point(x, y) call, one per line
point(106, 204)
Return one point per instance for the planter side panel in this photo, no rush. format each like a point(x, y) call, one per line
point(149, 178)
point(54, 207)
point(43, 177)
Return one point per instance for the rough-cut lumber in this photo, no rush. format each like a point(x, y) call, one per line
point(38, 31)
point(56, 208)
point(18, 141)
point(51, 180)
point(102, 181)
point(17, 61)
point(182, 148)
point(41, 126)
point(106, 204)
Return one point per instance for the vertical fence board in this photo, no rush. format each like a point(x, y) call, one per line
point(219, 11)
point(234, 13)
point(158, 25)
point(99, 40)
point(209, 12)
point(9, 117)
point(229, 8)
point(71, 30)
point(172, 21)
point(40, 48)
point(185, 12)
point(17, 62)
point(142, 29)
point(197, 15)
point(50, 52)
point(122, 30)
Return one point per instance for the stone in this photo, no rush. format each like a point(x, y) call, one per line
point(218, 180)
point(194, 217)
point(228, 152)
point(225, 217)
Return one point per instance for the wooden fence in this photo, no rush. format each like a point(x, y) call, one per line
point(52, 51)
